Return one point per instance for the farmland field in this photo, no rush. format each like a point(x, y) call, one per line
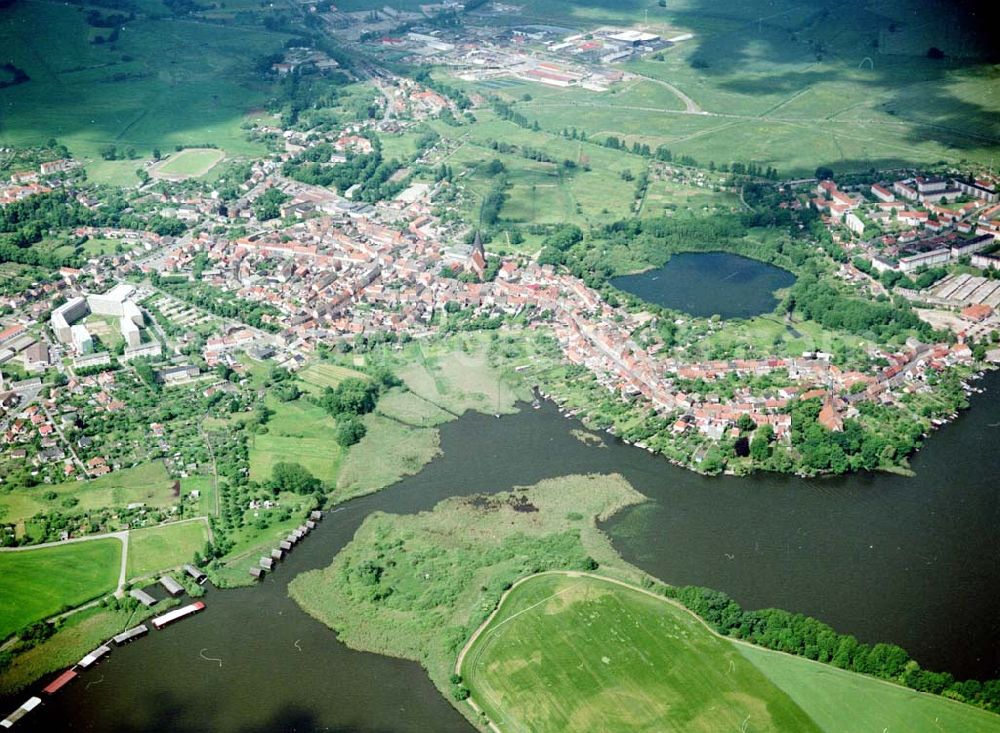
point(188, 163)
point(325, 374)
point(167, 546)
point(580, 653)
point(35, 584)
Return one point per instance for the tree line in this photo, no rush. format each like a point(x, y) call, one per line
point(804, 636)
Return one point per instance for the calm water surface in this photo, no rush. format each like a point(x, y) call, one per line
point(709, 283)
point(913, 561)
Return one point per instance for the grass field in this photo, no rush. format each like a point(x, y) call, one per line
point(35, 584)
point(159, 548)
point(389, 451)
point(582, 654)
point(188, 163)
point(148, 483)
point(298, 432)
point(406, 407)
point(163, 82)
point(324, 374)
point(579, 653)
point(456, 376)
point(820, 690)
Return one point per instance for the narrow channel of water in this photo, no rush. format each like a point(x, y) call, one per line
point(908, 560)
point(710, 283)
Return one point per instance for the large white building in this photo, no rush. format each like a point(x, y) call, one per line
point(64, 316)
point(112, 302)
point(82, 340)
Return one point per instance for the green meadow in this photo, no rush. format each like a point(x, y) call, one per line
point(163, 83)
point(147, 483)
point(297, 432)
point(191, 162)
point(570, 652)
point(35, 584)
point(158, 548)
point(582, 654)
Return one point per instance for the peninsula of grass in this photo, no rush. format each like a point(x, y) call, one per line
point(566, 651)
point(389, 451)
point(153, 549)
point(570, 652)
point(416, 586)
point(36, 584)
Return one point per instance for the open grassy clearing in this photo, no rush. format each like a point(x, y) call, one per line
point(147, 483)
point(324, 374)
point(417, 585)
point(456, 375)
point(406, 407)
point(822, 691)
point(188, 163)
point(297, 432)
point(35, 584)
point(159, 548)
point(583, 654)
point(162, 83)
point(389, 451)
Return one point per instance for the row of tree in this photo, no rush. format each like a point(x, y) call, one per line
point(807, 637)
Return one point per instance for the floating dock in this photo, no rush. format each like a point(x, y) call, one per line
point(172, 586)
point(133, 633)
point(178, 613)
point(31, 704)
point(92, 658)
point(57, 684)
point(199, 577)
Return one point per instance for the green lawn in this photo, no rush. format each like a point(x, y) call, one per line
point(160, 548)
point(147, 483)
point(820, 690)
point(35, 584)
point(298, 432)
point(192, 162)
point(582, 654)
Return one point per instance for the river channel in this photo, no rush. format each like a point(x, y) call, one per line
point(710, 283)
point(908, 560)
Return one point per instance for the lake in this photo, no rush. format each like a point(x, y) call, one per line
point(710, 283)
point(907, 560)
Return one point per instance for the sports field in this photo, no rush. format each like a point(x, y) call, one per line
point(580, 653)
point(36, 584)
point(159, 548)
point(188, 163)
